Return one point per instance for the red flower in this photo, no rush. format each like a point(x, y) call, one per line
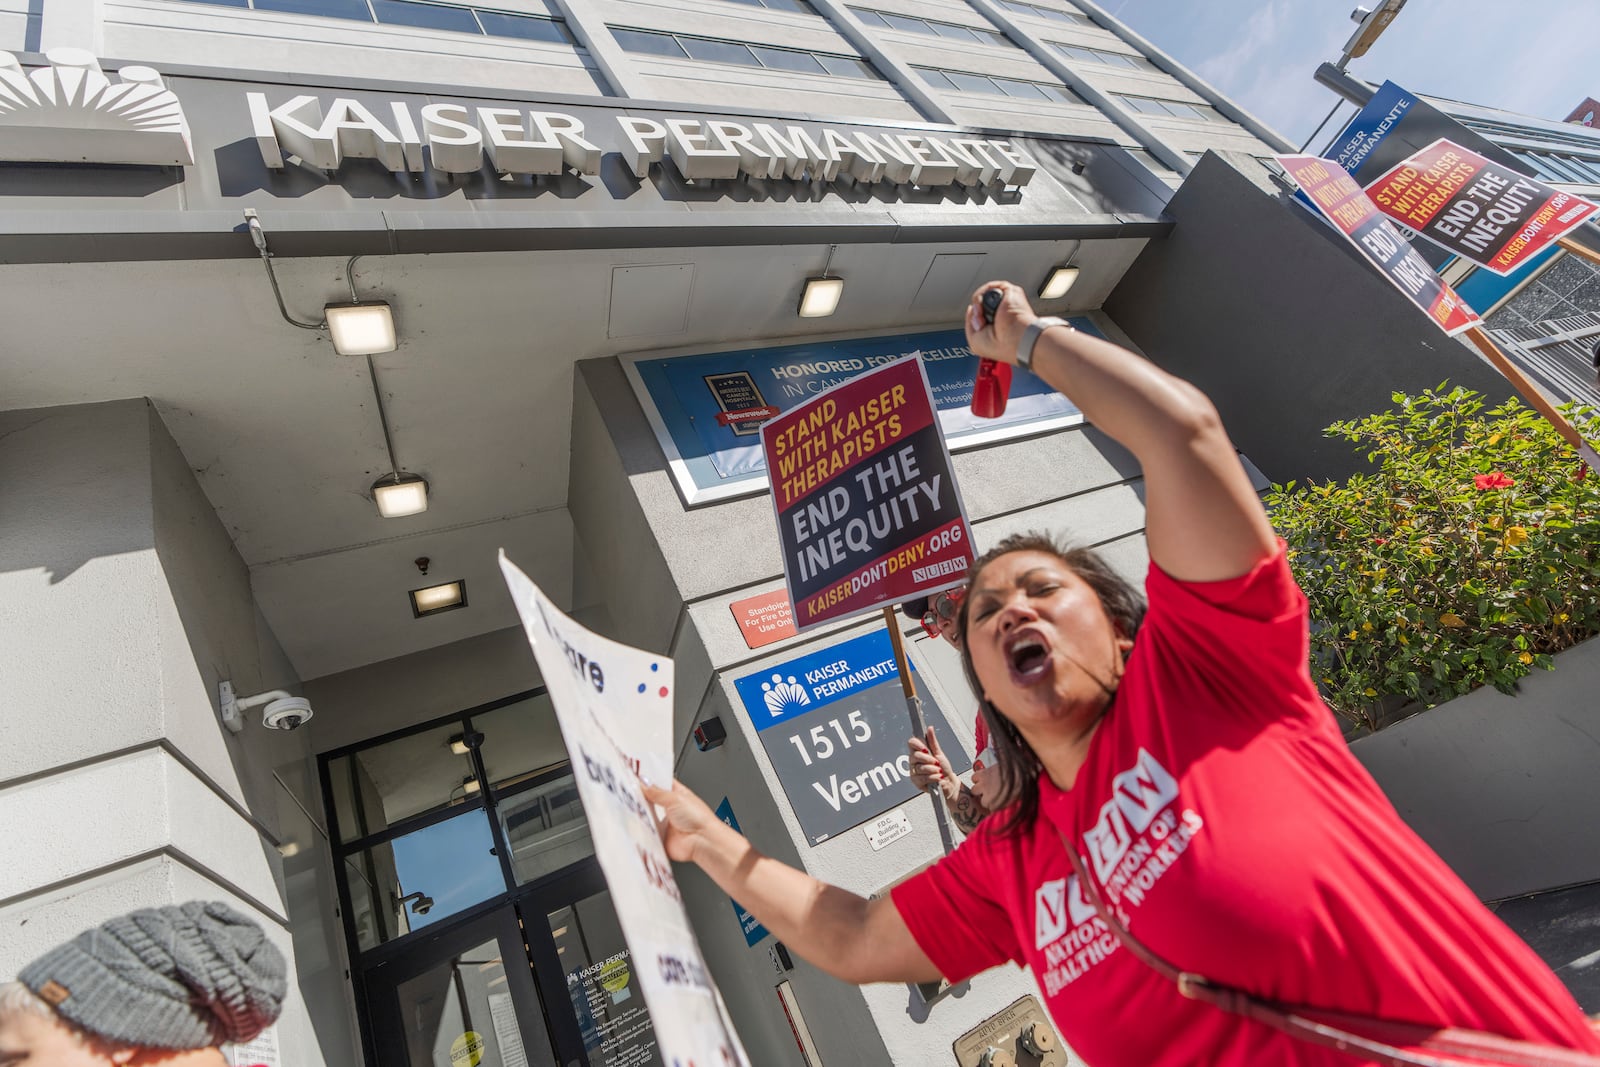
point(1493, 480)
point(1581, 473)
point(1380, 540)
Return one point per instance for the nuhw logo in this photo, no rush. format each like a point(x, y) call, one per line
point(1058, 906)
point(70, 112)
point(1138, 795)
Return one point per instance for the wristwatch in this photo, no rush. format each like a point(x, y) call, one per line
point(1030, 337)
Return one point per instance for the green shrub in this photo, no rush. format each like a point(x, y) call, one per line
point(1468, 557)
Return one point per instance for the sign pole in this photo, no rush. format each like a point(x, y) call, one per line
point(1531, 393)
point(919, 729)
point(1579, 250)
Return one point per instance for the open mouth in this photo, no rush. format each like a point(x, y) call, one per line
point(1028, 658)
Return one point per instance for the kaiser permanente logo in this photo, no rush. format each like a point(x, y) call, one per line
point(782, 697)
point(71, 112)
point(1136, 839)
point(810, 682)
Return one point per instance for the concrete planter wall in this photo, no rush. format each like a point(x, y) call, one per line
point(1505, 788)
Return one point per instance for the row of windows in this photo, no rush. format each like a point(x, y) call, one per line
point(1498, 131)
point(1054, 14)
point(964, 82)
point(966, 34)
point(1149, 105)
point(427, 16)
point(1104, 58)
point(711, 50)
point(1554, 168)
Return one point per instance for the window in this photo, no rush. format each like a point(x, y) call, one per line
point(1102, 57)
point(1540, 164)
point(1051, 13)
point(1174, 108)
point(797, 6)
point(718, 51)
point(929, 27)
point(784, 59)
point(453, 18)
point(427, 16)
point(964, 82)
point(653, 44)
point(738, 53)
point(333, 9)
point(528, 27)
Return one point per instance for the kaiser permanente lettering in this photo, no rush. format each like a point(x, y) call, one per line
point(519, 141)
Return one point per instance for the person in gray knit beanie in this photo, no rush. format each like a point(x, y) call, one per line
point(147, 987)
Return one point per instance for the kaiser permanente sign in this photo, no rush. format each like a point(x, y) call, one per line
point(522, 141)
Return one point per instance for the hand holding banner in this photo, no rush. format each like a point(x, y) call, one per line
point(615, 709)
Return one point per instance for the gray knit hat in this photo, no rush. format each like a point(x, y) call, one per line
point(180, 977)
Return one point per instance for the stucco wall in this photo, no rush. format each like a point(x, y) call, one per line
point(123, 606)
point(1282, 352)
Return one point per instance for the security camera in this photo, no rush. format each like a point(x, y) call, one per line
point(288, 713)
point(282, 711)
point(423, 906)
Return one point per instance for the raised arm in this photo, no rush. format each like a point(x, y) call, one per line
point(1203, 520)
point(848, 936)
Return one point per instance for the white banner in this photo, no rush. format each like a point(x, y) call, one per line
point(614, 704)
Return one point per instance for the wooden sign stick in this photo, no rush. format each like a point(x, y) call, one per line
point(1531, 393)
point(1579, 250)
point(919, 728)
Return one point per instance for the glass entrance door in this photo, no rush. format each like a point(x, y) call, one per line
point(479, 923)
point(463, 998)
point(544, 981)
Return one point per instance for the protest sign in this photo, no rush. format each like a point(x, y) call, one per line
point(1344, 204)
point(867, 505)
point(1476, 208)
point(614, 705)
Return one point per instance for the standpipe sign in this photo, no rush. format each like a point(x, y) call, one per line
point(867, 505)
point(833, 724)
point(1337, 197)
point(596, 686)
point(1476, 208)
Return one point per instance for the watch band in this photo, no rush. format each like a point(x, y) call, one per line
point(1030, 337)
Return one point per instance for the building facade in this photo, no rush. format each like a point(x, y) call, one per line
point(593, 223)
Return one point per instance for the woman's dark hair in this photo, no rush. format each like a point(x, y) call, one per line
point(1124, 605)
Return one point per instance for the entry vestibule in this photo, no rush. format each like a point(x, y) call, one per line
point(478, 922)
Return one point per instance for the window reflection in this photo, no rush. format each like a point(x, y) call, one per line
point(422, 877)
point(400, 779)
point(545, 828)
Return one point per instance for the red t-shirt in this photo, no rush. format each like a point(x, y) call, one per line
point(1221, 810)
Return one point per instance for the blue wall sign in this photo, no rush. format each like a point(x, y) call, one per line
point(834, 725)
point(689, 399)
point(753, 931)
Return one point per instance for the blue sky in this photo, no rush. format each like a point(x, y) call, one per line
point(1533, 56)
